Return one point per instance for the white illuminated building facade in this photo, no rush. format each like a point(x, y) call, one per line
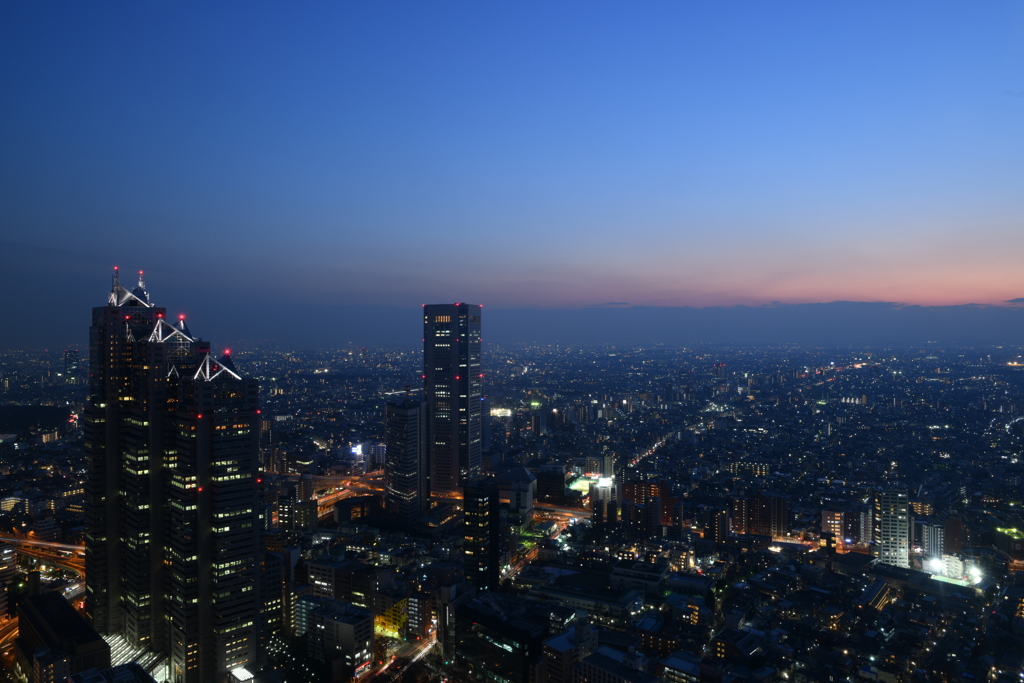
point(892, 528)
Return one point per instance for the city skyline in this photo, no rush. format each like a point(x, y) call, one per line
point(748, 405)
point(653, 494)
point(665, 156)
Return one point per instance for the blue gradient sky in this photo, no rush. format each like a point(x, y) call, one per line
point(551, 154)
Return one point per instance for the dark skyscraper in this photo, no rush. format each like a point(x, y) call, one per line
point(172, 498)
point(452, 388)
point(406, 487)
point(481, 549)
point(71, 366)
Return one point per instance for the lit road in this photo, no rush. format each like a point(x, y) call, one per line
point(407, 655)
point(44, 544)
point(46, 554)
point(582, 513)
point(8, 632)
point(522, 562)
point(325, 504)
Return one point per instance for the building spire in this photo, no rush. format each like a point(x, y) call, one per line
point(115, 284)
point(120, 296)
point(140, 292)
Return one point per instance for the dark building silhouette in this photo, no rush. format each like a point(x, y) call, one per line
point(356, 510)
point(491, 638)
point(406, 485)
point(551, 483)
point(718, 526)
point(953, 538)
point(55, 641)
point(452, 383)
point(761, 513)
point(172, 496)
point(640, 492)
point(481, 550)
point(71, 361)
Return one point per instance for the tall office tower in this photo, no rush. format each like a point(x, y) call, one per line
point(172, 496)
point(71, 366)
point(407, 491)
point(481, 550)
point(720, 370)
point(452, 388)
point(892, 527)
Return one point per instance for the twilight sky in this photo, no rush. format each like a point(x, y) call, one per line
point(548, 154)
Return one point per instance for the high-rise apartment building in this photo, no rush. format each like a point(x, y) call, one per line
point(892, 527)
point(406, 487)
point(761, 513)
point(452, 382)
point(930, 537)
point(172, 499)
point(717, 528)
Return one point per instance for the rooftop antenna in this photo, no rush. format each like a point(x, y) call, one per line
point(142, 284)
point(117, 279)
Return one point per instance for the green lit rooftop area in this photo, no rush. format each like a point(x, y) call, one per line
point(582, 484)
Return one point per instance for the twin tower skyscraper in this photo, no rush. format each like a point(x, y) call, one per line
point(174, 492)
point(434, 445)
